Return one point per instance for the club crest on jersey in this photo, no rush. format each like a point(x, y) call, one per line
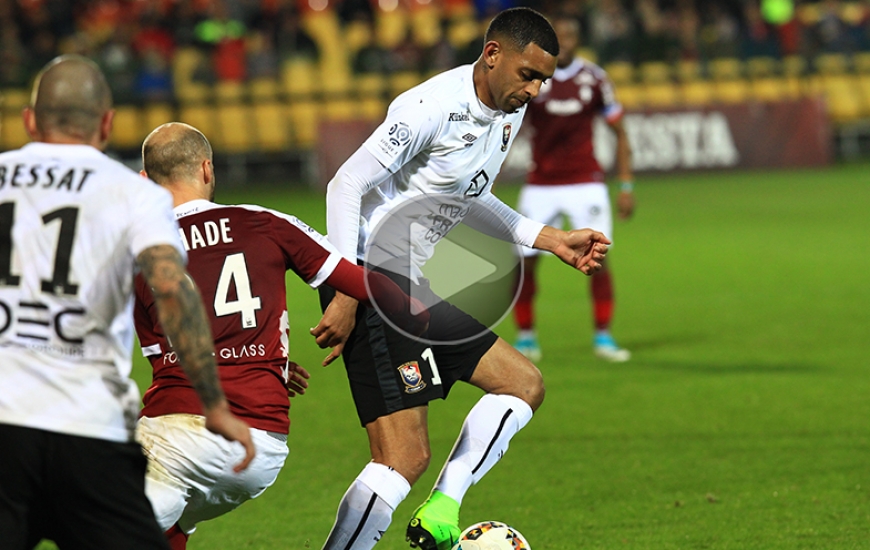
point(505, 136)
point(412, 377)
point(400, 134)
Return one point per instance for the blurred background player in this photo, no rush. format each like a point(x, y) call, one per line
point(73, 225)
point(238, 256)
point(565, 179)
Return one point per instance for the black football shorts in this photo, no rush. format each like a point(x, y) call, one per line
point(390, 371)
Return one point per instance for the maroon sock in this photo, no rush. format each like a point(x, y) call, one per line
point(177, 538)
point(602, 299)
point(523, 310)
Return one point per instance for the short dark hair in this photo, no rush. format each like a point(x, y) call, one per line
point(522, 26)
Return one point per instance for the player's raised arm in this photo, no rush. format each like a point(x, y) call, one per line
point(183, 318)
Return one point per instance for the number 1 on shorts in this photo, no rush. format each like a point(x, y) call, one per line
point(430, 358)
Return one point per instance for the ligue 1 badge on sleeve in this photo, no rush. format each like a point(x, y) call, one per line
point(505, 136)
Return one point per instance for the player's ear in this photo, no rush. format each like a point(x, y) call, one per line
point(491, 52)
point(207, 172)
point(143, 173)
point(29, 117)
point(106, 123)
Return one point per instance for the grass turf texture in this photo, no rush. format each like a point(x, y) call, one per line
point(740, 422)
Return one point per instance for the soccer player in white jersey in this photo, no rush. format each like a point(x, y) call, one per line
point(74, 225)
point(445, 138)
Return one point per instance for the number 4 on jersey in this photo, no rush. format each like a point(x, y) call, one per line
point(235, 269)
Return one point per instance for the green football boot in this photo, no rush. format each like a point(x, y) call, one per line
point(435, 524)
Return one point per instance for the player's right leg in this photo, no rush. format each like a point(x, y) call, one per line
point(400, 454)
point(540, 203)
point(392, 382)
point(165, 483)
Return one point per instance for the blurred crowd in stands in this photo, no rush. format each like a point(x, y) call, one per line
point(135, 40)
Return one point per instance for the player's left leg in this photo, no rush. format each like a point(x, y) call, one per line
point(524, 310)
point(515, 389)
point(399, 443)
point(22, 452)
point(601, 288)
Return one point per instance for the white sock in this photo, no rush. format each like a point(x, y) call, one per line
point(366, 509)
point(484, 438)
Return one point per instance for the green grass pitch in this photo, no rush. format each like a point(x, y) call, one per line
point(741, 422)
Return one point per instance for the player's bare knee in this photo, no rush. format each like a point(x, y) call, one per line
point(412, 465)
point(534, 389)
point(528, 385)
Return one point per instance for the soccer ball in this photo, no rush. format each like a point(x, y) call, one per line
point(491, 535)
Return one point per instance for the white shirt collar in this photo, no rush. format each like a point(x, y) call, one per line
point(192, 207)
point(75, 149)
point(475, 105)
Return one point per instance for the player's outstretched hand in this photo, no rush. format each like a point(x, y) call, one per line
point(221, 421)
point(583, 249)
point(297, 379)
point(335, 326)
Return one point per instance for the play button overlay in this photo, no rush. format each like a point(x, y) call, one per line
point(432, 240)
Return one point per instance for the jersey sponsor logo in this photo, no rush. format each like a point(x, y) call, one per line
point(459, 117)
point(505, 136)
point(400, 134)
point(242, 352)
point(412, 377)
point(564, 107)
point(470, 138)
point(37, 326)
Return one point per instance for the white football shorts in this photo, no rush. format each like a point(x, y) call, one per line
point(585, 205)
point(190, 470)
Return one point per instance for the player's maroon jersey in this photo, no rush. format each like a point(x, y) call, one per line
point(562, 117)
point(238, 256)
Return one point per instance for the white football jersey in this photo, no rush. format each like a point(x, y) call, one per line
point(438, 140)
point(72, 222)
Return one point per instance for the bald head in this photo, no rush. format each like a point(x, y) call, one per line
point(71, 97)
point(178, 155)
